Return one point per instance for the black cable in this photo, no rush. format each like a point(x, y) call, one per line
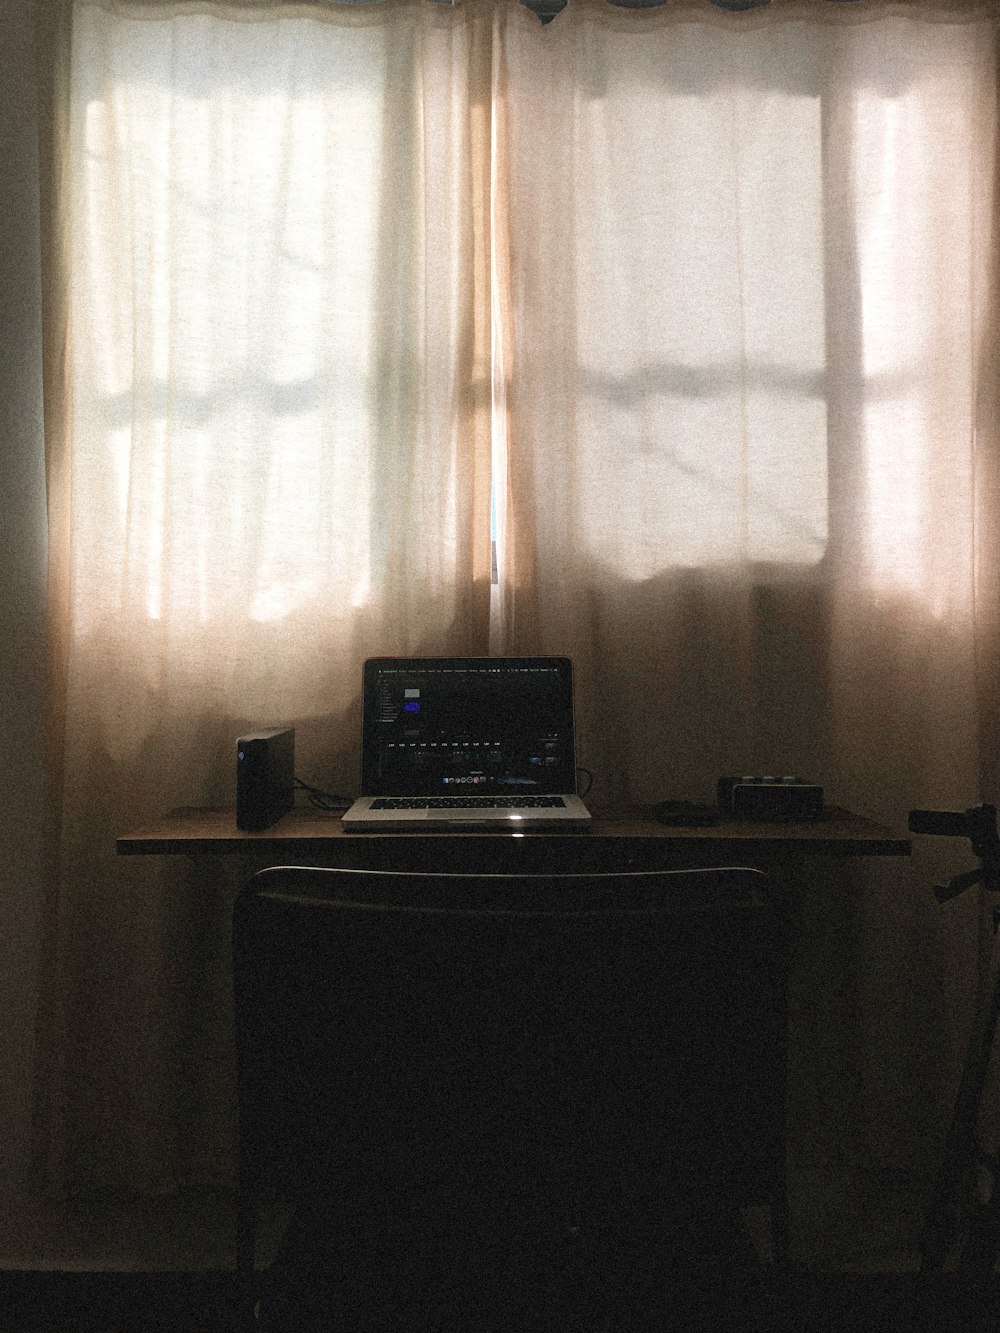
point(590, 780)
point(324, 800)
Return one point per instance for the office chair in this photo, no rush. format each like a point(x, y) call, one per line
point(504, 1102)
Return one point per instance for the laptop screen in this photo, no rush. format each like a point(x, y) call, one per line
point(473, 726)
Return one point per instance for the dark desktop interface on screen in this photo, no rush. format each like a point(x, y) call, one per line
point(471, 728)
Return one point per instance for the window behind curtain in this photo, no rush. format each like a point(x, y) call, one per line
point(272, 353)
point(280, 383)
point(752, 233)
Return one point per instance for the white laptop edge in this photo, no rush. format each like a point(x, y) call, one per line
point(362, 818)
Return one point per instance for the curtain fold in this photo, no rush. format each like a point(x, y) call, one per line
point(702, 304)
point(277, 462)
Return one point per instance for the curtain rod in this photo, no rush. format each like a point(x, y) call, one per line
point(953, 10)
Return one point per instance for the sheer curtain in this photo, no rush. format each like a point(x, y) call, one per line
point(744, 355)
point(748, 357)
point(279, 461)
point(699, 304)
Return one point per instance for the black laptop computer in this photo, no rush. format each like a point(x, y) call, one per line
point(451, 742)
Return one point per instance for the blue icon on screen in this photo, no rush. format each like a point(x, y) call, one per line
point(411, 706)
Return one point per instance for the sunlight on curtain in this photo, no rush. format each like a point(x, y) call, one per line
point(280, 464)
point(254, 275)
point(759, 307)
point(916, 249)
point(745, 354)
point(267, 309)
point(688, 284)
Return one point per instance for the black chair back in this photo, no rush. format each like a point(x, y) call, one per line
point(479, 1087)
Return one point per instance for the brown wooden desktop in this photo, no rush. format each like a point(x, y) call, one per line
point(627, 840)
point(618, 840)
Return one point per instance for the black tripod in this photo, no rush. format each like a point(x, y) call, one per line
point(962, 1217)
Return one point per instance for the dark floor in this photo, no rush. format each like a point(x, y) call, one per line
point(207, 1303)
point(145, 1265)
point(842, 1222)
point(117, 1303)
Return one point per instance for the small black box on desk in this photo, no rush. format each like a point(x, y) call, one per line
point(265, 777)
point(768, 798)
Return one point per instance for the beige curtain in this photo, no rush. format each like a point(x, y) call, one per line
point(278, 460)
point(709, 295)
point(747, 344)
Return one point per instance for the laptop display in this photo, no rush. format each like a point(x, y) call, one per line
point(467, 740)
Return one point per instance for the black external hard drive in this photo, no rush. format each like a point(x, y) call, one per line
point(265, 777)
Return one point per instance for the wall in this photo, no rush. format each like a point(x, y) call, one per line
point(22, 583)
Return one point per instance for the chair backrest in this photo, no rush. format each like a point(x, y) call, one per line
point(608, 1005)
point(405, 1027)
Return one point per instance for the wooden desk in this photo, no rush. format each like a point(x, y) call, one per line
point(626, 840)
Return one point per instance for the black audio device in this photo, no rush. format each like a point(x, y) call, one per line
point(769, 798)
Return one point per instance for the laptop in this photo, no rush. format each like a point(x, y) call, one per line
point(467, 742)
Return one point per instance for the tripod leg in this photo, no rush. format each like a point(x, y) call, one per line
point(943, 1221)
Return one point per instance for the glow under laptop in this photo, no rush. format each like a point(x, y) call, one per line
point(481, 742)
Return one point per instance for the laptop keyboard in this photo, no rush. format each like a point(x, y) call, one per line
point(468, 803)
